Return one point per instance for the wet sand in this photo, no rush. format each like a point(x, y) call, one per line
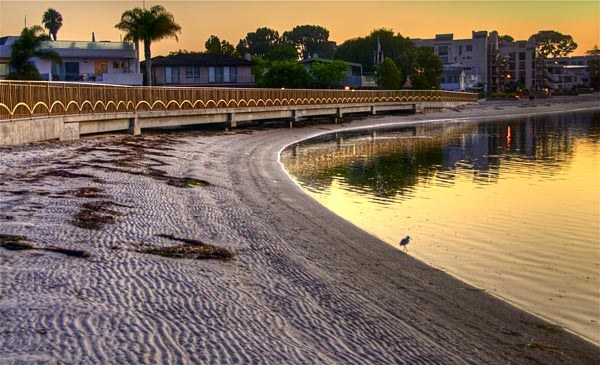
point(306, 286)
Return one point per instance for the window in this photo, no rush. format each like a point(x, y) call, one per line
point(171, 75)
point(101, 67)
point(469, 48)
point(522, 56)
point(3, 69)
point(192, 72)
point(118, 65)
point(219, 75)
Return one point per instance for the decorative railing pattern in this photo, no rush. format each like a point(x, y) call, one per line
point(26, 99)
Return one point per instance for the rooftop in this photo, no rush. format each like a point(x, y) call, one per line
point(199, 59)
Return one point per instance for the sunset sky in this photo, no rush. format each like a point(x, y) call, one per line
point(231, 20)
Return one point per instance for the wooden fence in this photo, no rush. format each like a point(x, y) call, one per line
point(27, 99)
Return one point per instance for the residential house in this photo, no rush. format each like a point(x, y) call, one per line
point(201, 69)
point(98, 62)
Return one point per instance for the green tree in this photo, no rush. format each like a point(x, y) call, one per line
point(388, 75)
point(595, 51)
point(52, 21)
point(553, 43)
point(216, 46)
point(309, 39)
point(148, 25)
point(506, 38)
point(282, 52)
point(26, 47)
point(420, 64)
point(285, 74)
point(259, 43)
point(329, 74)
point(428, 70)
point(131, 24)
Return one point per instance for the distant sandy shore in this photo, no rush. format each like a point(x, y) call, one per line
point(306, 286)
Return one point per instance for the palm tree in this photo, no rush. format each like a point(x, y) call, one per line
point(52, 21)
point(26, 47)
point(130, 23)
point(148, 26)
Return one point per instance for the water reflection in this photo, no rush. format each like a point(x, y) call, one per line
point(510, 206)
point(389, 162)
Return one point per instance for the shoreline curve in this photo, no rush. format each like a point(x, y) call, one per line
point(306, 287)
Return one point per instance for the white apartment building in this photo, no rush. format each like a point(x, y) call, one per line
point(487, 60)
point(98, 62)
point(470, 55)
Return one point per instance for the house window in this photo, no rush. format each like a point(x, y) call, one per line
point(219, 75)
point(101, 67)
point(171, 75)
point(3, 69)
point(192, 72)
point(469, 48)
point(118, 65)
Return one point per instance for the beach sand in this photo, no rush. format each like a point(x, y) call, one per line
point(306, 286)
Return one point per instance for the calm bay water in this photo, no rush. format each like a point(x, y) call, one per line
point(512, 207)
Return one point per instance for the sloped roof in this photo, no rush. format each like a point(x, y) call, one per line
point(200, 59)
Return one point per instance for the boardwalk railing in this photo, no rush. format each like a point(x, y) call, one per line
point(26, 99)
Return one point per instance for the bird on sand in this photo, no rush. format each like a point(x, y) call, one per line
point(404, 242)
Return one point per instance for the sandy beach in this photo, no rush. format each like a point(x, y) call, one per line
point(305, 286)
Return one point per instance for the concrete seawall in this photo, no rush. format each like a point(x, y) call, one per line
point(71, 127)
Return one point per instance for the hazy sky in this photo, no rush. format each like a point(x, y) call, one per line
point(231, 20)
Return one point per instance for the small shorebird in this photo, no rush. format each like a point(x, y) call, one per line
point(404, 242)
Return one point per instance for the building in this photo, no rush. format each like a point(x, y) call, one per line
point(98, 62)
point(201, 69)
point(354, 78)
point(567, 73)
point(470, 55)
point(519, 65)
point(495, 64)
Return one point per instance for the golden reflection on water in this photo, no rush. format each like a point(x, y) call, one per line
point(513, 209)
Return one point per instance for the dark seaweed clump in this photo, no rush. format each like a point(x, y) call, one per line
point(21, 243)
point(15, 243)
point(191, 249)
point(95, 215)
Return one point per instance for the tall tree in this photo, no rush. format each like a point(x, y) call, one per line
point(309, 39)
point(26, 47)
point(553, 43)
point(216, 46)
point(328, 74)
point(149, 25)
point(282, 52)
point(131, 24)
point(388, 75)
point(259, 43)
point(52, 21)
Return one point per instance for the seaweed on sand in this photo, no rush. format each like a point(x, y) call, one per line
point(191, 249)
point(21, 243)
point(15, 243)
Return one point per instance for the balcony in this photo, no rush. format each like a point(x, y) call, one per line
point(132, 79)
point(87, 45)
